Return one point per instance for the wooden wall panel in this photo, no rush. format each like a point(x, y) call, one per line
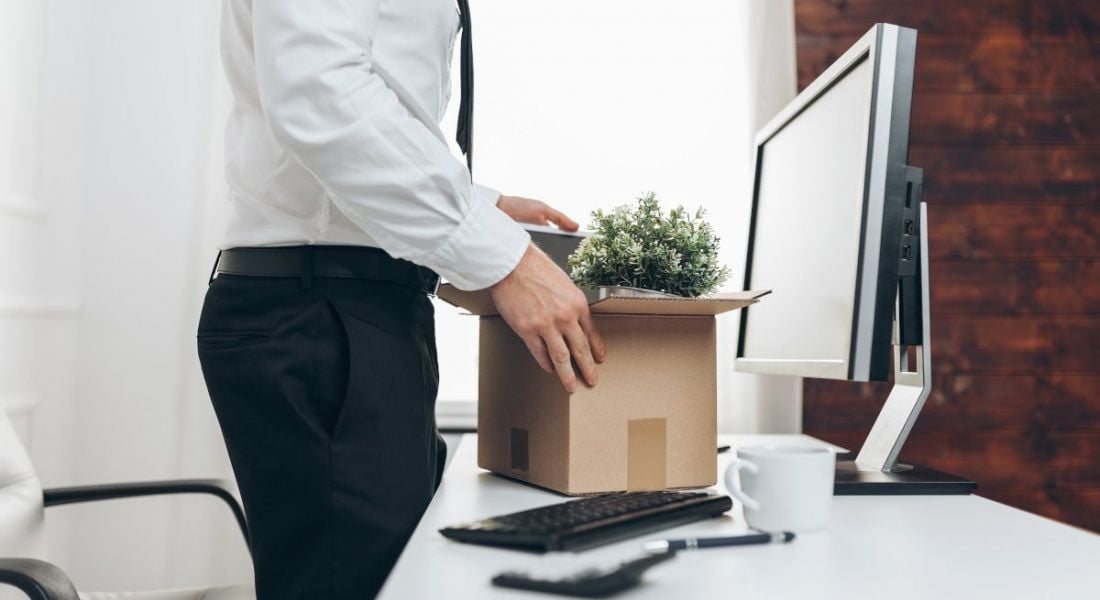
point(1016, 287)
point(968, 402)
point(1010, 344)
point(1059, 17)
point(967, 63)
point(989, 231)
point(1006, 124)
point(1049, 173)
point(995, 118)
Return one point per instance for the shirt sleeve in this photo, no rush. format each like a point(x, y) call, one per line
point(331, 107)
point(486, 193)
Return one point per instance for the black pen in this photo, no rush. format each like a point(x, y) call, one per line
point(718, 542)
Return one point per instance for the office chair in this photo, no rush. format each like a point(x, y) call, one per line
point(22, 520)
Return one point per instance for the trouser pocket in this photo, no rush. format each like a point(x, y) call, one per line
point(328, 386)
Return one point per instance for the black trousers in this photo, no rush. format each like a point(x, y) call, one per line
point(325, 393)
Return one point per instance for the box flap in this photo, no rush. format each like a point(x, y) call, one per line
point(478, 302)
point(619, 300)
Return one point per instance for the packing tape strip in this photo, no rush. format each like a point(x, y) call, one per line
point(646, 454)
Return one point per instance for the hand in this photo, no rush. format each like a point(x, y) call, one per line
point(526, 210)
point(543, 306)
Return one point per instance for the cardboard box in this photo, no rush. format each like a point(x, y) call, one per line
point(650, 423)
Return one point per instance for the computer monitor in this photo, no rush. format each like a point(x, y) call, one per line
point(836, 234)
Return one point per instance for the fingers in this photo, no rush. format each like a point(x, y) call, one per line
point(535, 212)
point(550, 314)
point(563, 222)
point(599, 350)
point(582, 352)
point(538, 350)
point(560, 358)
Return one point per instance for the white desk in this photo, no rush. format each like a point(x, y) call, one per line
point(875, 547)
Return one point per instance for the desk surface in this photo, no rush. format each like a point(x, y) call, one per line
point(875, 547)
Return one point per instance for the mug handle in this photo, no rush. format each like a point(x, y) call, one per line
point(735, 490)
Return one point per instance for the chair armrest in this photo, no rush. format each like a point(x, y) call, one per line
point(113, 491)
point(38, 579)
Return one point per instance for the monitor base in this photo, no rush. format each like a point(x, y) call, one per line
point(905, 480)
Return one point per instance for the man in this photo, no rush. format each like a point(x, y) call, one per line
point(316, 338)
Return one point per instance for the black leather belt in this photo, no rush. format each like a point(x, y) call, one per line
point(339, 262)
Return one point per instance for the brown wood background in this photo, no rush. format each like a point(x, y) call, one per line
point(1006, 119)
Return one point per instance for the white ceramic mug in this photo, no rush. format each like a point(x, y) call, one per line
point(783, 488)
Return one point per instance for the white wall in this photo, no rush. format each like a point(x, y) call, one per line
point(586, 105)
point(749, 402)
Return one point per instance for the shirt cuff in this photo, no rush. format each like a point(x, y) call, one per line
point(482, 250)
point(486, 194)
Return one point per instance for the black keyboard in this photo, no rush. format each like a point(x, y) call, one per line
point(592, 521)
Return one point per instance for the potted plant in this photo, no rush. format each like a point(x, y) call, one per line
point(641, 247)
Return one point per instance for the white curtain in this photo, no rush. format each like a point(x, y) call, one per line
point(130, 175)
point(583, 104)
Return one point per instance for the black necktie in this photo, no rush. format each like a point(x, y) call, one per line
point(465, 134)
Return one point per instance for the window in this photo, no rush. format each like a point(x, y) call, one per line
point(587, 105)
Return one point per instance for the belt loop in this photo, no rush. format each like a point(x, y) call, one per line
point(307, 267)
point(214, 269)
point(433, 280)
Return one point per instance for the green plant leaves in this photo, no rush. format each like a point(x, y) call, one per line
point(641, 247)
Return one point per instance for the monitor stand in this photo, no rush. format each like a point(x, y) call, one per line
point(876, 470)
point(904, 480)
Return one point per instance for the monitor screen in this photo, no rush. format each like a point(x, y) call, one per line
point(830, 192)
point(806, 235)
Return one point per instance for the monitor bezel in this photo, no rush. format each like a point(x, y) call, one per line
point(893, 50)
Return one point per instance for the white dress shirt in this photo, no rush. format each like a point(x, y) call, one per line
point(334, 136)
